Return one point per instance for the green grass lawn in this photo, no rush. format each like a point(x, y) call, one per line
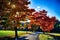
point(45, 37)
point(4, 33)
point(55, 34)
point(12, 33)
point(20, 33)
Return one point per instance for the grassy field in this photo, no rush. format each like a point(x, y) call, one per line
point(10, 33)
point(20, 33)
point(55, 34)
point(45, 37)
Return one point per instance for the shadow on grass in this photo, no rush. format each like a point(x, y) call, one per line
point(6, 38)
point(9, 38)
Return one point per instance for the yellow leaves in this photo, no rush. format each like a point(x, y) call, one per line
point(9, 3)
point(13, 6)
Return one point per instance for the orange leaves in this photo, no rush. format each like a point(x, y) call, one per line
point(47, 25)
point(21, 12)
point(39, 18)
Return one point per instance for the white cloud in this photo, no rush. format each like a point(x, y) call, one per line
point(38, 7)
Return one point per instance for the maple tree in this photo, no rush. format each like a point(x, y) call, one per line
point(15, 11)
point(18, 10)
point(40, 18)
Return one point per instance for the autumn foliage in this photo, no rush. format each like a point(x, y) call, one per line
point(40, 18)
point(18, 10)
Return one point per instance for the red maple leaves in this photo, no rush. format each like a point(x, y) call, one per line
point(40, 18)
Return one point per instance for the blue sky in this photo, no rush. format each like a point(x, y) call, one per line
point(52, 6)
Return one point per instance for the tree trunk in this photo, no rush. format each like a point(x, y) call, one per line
point(16, 34)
